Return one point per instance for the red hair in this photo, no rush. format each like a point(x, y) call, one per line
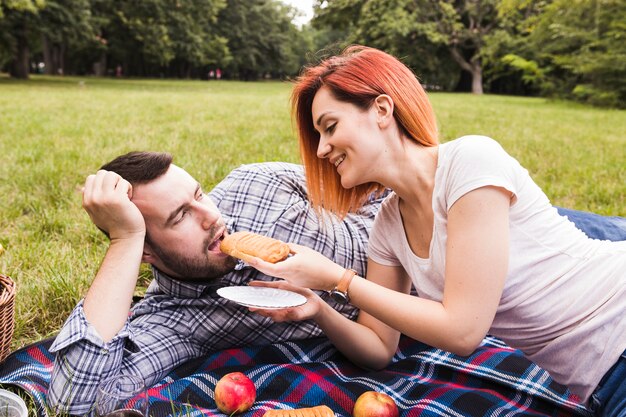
point(358, 75)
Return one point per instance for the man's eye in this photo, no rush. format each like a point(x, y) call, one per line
point(200, 196)
point(182, 216)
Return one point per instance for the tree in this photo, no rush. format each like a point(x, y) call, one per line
point(431, 26)
point(194, 35)
point(261, 38)
point(392, 26)
point(506, 50)
point(64, 25)
point(462, 27)
point(183, 38)
point(158, 37)
point(17, 20)
point(582, 47)
point(572, 49)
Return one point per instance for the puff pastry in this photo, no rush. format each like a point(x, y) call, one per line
point(242, 245)
point(317, 411)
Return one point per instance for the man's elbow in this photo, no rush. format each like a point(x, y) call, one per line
point(64, 396)
point(68, 404)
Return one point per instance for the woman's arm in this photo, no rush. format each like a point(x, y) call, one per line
point(367, 341)
point(476, 267)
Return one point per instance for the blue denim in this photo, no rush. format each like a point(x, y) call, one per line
point(609, 399)
point(596, 226)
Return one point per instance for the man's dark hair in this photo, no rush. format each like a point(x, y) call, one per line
point(140, 167)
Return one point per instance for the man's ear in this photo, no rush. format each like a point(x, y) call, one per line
point(148, 255)
point(384, 110)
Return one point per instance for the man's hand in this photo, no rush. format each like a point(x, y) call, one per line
point(106, 198)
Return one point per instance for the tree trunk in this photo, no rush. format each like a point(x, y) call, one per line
point(47, 56)
point(61, 59)
point(52, 57)
point(100, 66)
point(473, 67)
point(477, 78)
point(20, 64)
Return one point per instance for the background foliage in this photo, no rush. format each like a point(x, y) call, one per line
point(574, 49)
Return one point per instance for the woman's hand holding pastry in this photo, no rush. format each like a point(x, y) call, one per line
point(305, 268)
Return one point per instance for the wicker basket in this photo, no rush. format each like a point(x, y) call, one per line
point(7, 315)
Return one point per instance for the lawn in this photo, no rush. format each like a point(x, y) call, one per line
point(56, 131)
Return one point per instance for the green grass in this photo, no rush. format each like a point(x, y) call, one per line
point(56, 131)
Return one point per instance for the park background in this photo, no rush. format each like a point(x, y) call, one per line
point(574, 49)
point(82, 81)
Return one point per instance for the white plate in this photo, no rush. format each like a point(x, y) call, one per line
point(262, 297)
point(12, 405)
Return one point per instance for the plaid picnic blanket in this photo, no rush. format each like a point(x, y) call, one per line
point(494, 381)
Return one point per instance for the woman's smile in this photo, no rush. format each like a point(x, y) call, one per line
point(338, 160)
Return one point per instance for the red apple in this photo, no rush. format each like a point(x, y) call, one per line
point(234, 393)
point(375, 404)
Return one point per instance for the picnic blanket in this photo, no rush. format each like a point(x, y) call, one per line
point(494, 381)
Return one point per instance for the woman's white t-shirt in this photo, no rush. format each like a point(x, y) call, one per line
point(564, 298)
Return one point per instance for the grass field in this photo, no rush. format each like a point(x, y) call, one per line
point(56, 131)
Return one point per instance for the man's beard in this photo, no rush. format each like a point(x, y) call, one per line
point(195, 268)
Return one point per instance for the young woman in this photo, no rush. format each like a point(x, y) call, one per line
point(465, 225)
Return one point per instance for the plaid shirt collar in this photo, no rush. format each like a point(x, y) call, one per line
point(177, 288)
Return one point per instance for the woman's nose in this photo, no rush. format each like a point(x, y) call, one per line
point(323, 149)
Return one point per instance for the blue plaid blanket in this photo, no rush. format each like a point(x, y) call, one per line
point(494, 381)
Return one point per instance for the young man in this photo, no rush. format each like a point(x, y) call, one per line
point(153, 211)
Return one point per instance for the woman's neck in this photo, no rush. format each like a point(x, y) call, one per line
point(412, 176)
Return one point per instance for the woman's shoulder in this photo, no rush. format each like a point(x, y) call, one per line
point(472, 162)
point(473, 149)
point(472, 142)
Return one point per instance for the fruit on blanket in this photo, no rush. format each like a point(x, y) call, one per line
point(375, 404)
point(234, 393)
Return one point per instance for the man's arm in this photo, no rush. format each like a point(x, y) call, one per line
point(105, 310)
point(106, 198)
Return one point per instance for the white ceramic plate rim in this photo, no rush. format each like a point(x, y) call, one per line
point(262, 297)
point(9, 399)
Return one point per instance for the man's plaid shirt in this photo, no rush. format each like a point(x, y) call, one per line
point(177, 320)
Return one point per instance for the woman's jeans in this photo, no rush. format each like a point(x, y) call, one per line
point(609, 399)
point(596, 226)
